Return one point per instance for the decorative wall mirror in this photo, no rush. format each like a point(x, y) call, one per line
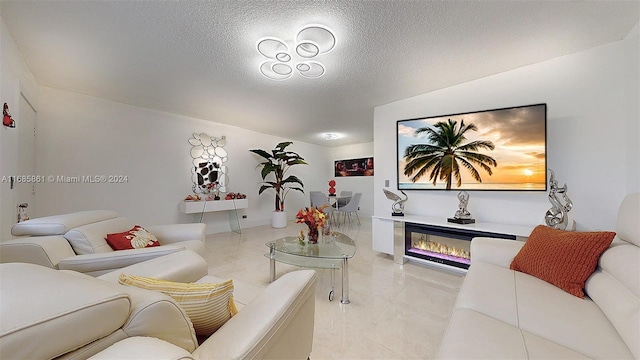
point(208, 173)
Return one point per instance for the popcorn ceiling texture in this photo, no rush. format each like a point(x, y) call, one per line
point(199, 59)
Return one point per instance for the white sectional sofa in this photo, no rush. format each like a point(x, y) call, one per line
point(48, 314)
point(505, 314)
point(76, 241)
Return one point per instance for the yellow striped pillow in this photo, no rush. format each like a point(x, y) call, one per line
point(208, 305)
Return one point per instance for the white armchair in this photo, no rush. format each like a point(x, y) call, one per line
point(64, 314)
point(76, 241)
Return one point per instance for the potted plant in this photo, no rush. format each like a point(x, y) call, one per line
point(277, 163)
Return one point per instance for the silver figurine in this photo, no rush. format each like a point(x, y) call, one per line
point(558, 216)
point(398, 205)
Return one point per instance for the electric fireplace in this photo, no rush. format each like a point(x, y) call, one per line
point(444, 245)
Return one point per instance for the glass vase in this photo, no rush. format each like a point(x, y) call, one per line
point(312, 237)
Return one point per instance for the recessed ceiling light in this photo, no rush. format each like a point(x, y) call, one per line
point(331, 136)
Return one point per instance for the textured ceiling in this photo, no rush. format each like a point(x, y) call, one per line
point(199, 59)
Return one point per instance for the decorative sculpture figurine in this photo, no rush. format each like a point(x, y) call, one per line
point(558, 216)
point(462, 216)
point(398, 205)
point(332, 188)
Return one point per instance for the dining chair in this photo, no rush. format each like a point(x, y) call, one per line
point(343, 198)
point(351, 208)
point(318, 198)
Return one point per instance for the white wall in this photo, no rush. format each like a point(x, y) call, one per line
point(15, 78)
point(82, 135)
point(363, 184)
point(592, 134)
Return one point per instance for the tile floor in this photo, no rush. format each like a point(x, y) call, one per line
point(396, 311)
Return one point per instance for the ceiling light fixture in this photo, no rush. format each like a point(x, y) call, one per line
point(331, 136)
point(311, 41)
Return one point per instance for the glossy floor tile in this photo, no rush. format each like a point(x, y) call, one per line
point(396, 311)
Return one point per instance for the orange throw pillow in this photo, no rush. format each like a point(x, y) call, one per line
point(562, 258)
point(136, 238)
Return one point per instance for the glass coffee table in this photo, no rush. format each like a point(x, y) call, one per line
point(331, 252)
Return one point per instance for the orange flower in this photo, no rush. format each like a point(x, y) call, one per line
point(312, 216)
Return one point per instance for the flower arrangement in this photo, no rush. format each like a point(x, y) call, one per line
point(314, 218)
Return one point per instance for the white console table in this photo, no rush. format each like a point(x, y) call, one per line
point(388, 231)
point(203, 206)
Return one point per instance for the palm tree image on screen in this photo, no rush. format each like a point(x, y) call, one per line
point(446, 153)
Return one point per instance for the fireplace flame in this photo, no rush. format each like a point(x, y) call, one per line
point(432, 246)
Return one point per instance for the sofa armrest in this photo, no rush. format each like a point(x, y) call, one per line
point(277, 324)
point(494, 251)
point(181, 266)
point(102, 263)
point(41, 250)
point(172, 233)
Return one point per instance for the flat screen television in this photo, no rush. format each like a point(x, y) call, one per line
point(498, 150)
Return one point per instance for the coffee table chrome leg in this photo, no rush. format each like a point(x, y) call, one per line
point(345, 281)
point(272, 264)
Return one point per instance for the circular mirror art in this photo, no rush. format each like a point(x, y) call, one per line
point(208, 173)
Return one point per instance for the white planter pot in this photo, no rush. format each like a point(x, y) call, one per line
point(279, 219)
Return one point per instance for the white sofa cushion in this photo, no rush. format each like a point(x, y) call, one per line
point(578, 324)
point(142, 348)
point(473, 335)
point(91, 238)
point(60, 224)
point(183, 266)
point(490, 289)
point(31, 329)
point(541, 309)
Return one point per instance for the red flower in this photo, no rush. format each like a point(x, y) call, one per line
point(312, 216)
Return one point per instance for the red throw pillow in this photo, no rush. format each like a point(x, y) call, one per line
point(136, 238)
point(562, 258)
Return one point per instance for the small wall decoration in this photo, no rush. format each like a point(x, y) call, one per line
point(6, 117)
point(354, 167)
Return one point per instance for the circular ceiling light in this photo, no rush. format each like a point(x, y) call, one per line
point(271, 69)
point(310, 69)
point(310, 42)
point(320, 35)
point(281, 69)
point(272, 47)
point(307, 49)
point(303, 67)
point(282, 56)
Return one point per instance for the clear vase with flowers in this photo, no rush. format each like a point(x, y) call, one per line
point(314, 218)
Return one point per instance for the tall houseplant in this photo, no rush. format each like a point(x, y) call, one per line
point(277, 163)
